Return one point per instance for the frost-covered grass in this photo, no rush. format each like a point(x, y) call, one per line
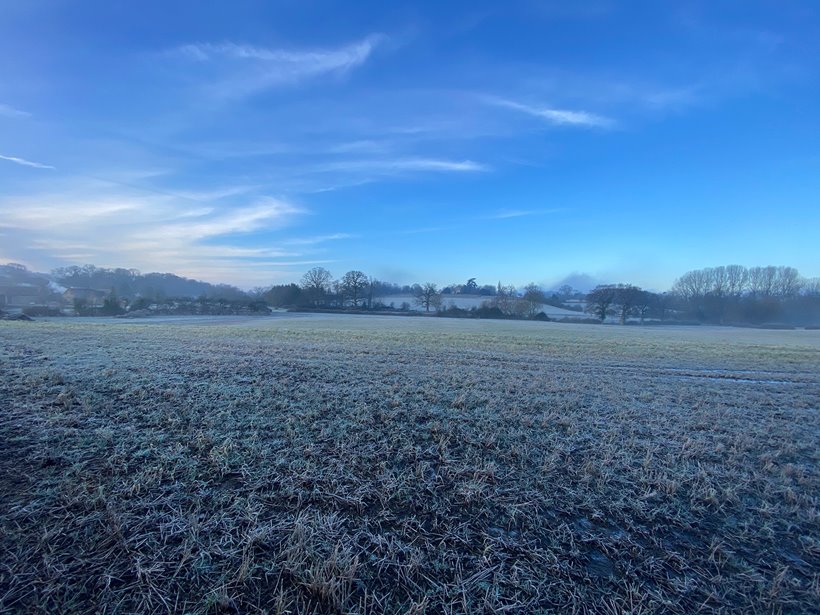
point(344, 464)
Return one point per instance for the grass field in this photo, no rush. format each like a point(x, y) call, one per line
point(355, 464)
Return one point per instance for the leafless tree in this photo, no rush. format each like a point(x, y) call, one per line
point(644, 302)
point(600, 300)
point(762, 281)
point(375, 290)
point(505, 299)
point(811, 287)
point(427, 296)
point(693, 284)
point(353, 285)
point(787, 282)
point(565, 291)
point(737, 279)
point(533, 298)
point(626, 298)
point(316, 283)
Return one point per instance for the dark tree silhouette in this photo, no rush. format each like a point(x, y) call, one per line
point(427, 296)
point(316, 284)
point(600, 300)
point(353, 285)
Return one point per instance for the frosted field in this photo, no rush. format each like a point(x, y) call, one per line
point(361, 464)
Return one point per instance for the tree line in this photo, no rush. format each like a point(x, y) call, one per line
point(731, 294)
point(131, 284)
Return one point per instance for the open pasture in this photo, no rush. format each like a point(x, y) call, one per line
point(355, 464)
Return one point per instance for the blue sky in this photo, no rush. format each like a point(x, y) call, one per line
point(246, 142)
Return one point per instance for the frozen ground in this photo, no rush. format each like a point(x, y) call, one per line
point(357, 464)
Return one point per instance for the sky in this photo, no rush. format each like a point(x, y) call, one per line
point(524, 141)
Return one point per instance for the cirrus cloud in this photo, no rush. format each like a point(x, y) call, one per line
point(26, 163)
point(232, 70)
point(558, 117)
point(157, 232)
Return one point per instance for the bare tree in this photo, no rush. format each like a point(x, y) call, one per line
point(787, 283)
point(427, 296)
point(736, 292)
point(533, 298)
point(811, 287)
point(600, 300)
point(316, 284)
point(372, 283)
point(737, 279)
point(762, 281)
point(353, 285)
point(663, 304)
point(505, 299)
point(693, 284)
point(626, 297)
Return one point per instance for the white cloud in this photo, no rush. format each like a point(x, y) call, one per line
point(362, 146)
point(10, 111)
point(520, 213)
point(512, 213)
point(26, 163)
point(406, 164)
point(307, 241)
point(214, 195)
point(233, 70)
point(265, 213)
point(155, 233)
point(559, 117)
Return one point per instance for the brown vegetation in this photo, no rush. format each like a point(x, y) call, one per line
point(349, 465)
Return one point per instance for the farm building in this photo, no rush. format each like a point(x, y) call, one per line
point(90, 296)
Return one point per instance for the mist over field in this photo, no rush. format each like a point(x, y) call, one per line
point(355, 308)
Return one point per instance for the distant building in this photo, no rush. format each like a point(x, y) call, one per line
point(20, 295)
point(91, 297)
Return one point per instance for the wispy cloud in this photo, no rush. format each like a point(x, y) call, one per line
point(26, 163)
point(407, 164)
point(217, 242)
point(558, 117)
point(265, 213)
point(309, 241)
point(505, 214)
point(511, 213)
point(10, 111)
point(213, 195)
point(233, 70)
point(362, 146)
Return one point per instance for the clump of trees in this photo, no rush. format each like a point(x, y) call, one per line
point(625, 300)
point(130, 283)
point(318, 289)
point(471, 287)
point(735, 294)
point(730, 294)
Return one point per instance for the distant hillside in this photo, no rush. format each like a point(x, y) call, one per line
point(130, 283)
point(20, 286)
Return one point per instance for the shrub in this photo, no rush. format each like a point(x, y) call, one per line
point(41, 310)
